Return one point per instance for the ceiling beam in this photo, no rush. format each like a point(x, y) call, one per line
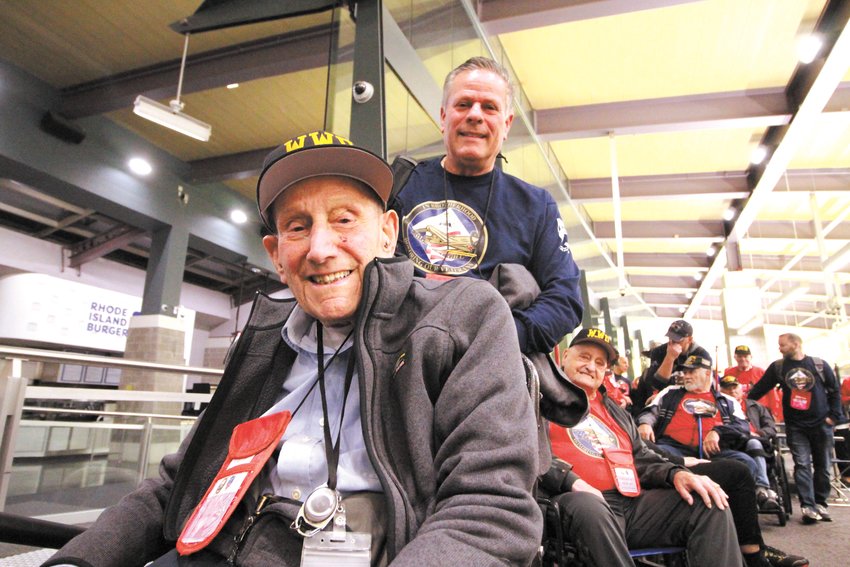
point(758, 108)
point(730, 185)
point(800, 230)
point(506, 16)
point(266, 57)
point(666, 229)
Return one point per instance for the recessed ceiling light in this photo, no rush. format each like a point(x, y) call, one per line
point(139, 166)
point(808, 47)
point(682, 309)
point(711, 252)
point(758, 155)
point(689, 295)
point(233, 86)
point(237, 216)
point(698, 276)
point(729, 214)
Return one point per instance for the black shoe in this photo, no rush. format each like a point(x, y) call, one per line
point(778, 558)
point(824, 512)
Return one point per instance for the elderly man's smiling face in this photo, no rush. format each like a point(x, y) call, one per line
point(328, 230)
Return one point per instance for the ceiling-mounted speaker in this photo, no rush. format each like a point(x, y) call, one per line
point(61, 127)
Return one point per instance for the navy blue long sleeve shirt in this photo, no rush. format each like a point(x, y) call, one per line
point(452, 226)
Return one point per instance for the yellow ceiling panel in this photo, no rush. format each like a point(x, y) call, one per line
point(784, 247)
point(659, 153)
point(74, 46)
point(258, 114)
point(795, 206)
point(828, 145)
point(698, 47)
point(659, 209)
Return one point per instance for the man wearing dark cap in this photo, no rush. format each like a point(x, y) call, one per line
point(362, 415)
point(667, 361)
point(748, 374)
point(615, 493)
point(695, 420)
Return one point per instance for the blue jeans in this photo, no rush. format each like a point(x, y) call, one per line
point(761, 463)
point(811, 447)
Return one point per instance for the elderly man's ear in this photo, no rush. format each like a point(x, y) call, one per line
point(270, 244)
point(389, 228)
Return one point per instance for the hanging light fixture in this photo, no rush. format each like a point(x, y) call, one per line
point(172, 116)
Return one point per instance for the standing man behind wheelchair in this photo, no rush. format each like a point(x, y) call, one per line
point(461, 215)
point(615, 493)
point(811, 402)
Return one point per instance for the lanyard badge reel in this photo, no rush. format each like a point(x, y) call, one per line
point(337, 546)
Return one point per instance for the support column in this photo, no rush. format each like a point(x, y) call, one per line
point(368, 119)
point(157, 335)
point(165, 271)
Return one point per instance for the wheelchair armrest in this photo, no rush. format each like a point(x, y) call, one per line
point(22, 530)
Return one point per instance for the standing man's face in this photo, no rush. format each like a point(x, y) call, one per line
point(328, 230)
point(475, 119)
point(787, 347)
point(744, 361)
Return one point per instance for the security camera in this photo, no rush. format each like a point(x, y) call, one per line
point(362, 91)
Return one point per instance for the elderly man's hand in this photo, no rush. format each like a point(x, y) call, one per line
point(646, 432)
point(582, 486)
point(711, 443)
point(686, 482)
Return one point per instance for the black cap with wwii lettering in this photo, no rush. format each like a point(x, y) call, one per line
point(315, 154)
point(599, 338)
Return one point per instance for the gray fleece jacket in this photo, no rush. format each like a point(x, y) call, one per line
point(447, 421)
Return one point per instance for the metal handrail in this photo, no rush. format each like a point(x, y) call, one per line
point(38, 355)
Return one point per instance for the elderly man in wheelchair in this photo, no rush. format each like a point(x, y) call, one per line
point(616, 493)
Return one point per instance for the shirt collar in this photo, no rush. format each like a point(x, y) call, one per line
point(299, 332)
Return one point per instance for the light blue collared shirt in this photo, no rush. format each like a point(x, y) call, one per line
point(302, 464)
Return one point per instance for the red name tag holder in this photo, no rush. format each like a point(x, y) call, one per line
point(801, 399)
point(251, 445)
point(622, 465)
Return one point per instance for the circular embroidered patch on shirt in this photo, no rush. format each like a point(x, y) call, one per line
point(800, 379)
point(591, 435)
point(699, 407)
point(444, 237)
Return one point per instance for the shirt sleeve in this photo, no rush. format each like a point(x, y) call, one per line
point(768, 380)
point(558, 309)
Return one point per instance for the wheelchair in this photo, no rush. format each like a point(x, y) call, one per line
point(778, 477)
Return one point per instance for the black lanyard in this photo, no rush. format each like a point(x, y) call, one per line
point(332, 449)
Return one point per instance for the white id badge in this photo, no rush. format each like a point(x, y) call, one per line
point(322, 551)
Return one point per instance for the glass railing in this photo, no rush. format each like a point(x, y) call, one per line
point(69, 451)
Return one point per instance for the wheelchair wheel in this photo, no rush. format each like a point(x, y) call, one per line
point(783, 488)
